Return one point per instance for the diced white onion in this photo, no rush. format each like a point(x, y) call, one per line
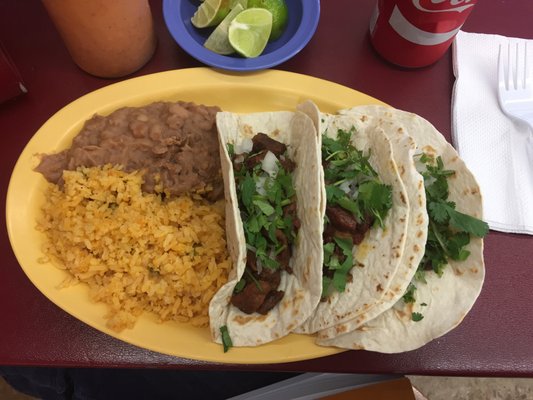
point(345, 187)
point(351, 188)
point(270, 164)
point(260, 185)
point(244, 146)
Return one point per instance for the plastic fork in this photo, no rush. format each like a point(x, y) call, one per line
point(515, 86)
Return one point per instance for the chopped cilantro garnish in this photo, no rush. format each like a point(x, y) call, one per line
point(445, 211)
point(449, 230)
point(343, 163)
point(270, 263)
point(254, 224)
point(420, 276)
point(333, 193)
point(350, 205)
point(262, 199)
point(340, 275)
point(226, 339)
point(253, 279)
point(376, 198)
point(231, 150)
point(354, 185)
point(284, 180)
point(345, 244)
point(265, 207)
point(342, 270)
point(416, 316)
point(328, 251)
point(326, 285)
point(409, 296)
point(239, 286)
point(247, 190)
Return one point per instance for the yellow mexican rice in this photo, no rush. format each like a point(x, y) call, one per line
point(136, 251)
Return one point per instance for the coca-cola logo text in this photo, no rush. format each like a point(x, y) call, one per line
point(435, 6)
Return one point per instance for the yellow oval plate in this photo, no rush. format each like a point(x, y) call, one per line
point(269, 90)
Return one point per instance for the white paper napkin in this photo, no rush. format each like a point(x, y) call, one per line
point(497, 149)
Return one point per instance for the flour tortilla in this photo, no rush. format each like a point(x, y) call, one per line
point(448, 298)
point(303, 287)
point(404, 148)
point(377, 258)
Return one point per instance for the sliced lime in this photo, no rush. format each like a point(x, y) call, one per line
point(210, 13)
point(249, 31)
point(218, 40)
point(280, 14)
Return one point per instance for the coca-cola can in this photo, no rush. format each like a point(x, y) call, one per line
point(416, 33)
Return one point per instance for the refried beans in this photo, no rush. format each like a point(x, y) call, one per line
point(176, 142)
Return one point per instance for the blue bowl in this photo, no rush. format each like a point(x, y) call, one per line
point(303, 20)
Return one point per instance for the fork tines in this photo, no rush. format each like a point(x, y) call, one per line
point(513, 70)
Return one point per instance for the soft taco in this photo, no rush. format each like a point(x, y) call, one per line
point(450, 275)
point(271, 170)
point(365, 221)
point(403, 149)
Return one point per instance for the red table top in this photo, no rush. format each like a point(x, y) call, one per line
point(496, 337)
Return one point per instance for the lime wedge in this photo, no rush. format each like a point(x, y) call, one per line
point(280, 14)
point(218, 41)
point(210, 13)
point(249, 31)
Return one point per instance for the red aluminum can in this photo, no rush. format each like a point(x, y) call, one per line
point(416, 33)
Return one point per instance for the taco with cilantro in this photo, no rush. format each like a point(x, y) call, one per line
point(365, 220)
point(271, 170)
point(450, 275)
point(403, 149)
